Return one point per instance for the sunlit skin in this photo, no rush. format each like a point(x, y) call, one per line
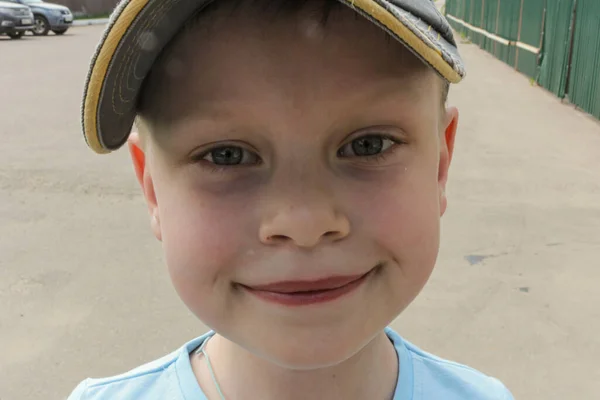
point(270, 162)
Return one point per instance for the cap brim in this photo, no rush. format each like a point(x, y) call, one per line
point(140, 29)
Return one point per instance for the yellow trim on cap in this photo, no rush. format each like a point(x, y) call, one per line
point(99, 69)
point(388, 20)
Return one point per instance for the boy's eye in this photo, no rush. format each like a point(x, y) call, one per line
point(365, 146)
point(230, 155)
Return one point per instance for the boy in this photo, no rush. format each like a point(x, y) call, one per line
point(294, 157)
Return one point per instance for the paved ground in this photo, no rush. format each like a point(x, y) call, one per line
point(83, 291)
point(91, 21)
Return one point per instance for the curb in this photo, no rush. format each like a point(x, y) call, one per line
point(87, 22)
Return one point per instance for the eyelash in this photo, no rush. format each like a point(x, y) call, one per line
point(379, 157)
point(375, 158)
point(216, 168)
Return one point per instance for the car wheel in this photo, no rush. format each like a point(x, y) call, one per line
point(59, 31)
point(16, 35)
point(41, 26)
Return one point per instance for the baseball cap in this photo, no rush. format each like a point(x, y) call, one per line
point(139, 30)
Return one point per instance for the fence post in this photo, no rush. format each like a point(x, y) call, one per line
point(571, 45)
point(482, 12)
point(471, 13)
point(542, 35)
point(482, 38)
point(519, 36)
point(496, 29)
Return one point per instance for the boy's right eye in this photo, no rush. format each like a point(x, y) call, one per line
point(230, 155)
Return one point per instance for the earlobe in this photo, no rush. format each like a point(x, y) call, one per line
point(155, 225)
point(446, 153)
point(138, 157)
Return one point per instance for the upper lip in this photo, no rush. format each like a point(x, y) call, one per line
point(329, 283)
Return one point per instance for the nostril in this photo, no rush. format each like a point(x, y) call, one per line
point(277, 238)
point(331, 234)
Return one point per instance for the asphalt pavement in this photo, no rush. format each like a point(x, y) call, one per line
point(83, 289)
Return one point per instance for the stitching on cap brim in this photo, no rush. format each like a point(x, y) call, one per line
point(97, 76)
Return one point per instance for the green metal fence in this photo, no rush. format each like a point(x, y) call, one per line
point(554, 67)
point(529, 40)
point(508, 28)
point(491, 24)
point(584, 77)
point(555, 42)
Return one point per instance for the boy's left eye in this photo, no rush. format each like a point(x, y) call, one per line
point(366, 146)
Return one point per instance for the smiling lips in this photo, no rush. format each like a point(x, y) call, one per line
point(300, 293)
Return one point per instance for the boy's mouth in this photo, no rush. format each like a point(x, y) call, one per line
point(297, 293)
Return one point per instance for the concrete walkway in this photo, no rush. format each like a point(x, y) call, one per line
point(83, 291)
point(94, 21)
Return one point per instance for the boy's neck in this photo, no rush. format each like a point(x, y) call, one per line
point(370, 374)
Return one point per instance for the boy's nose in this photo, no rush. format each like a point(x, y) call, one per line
point(304, 225)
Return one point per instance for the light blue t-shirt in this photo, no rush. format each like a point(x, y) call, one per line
point(422, 376)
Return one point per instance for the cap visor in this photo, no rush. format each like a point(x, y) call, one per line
point(140, 29)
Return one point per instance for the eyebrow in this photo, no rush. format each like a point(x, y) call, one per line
point(389, 86)
point(213, 111)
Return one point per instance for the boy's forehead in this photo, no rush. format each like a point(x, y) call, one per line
point(346, 55)
point(342, 33)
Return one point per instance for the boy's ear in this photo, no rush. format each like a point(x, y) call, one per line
point(138, 157)
point(446, 151)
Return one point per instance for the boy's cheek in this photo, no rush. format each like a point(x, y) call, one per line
point(202, 238)
point(411, 228)
point(405, 221)
point(201, 250)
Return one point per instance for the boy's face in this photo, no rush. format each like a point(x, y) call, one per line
point(287, 151)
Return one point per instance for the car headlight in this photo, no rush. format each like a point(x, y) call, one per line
point(6, 10)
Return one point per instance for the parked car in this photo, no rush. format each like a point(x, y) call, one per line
point(48, 17)
point(15, 19)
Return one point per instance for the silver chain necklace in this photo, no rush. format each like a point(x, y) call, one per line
point(202, 351)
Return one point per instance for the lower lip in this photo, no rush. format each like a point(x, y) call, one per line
point(308, 298)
